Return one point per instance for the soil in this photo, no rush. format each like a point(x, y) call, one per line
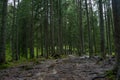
point(70, 68)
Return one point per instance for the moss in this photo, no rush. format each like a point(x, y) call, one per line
point(4, 66)
point(111, 75)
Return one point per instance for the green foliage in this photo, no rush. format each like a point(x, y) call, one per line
point(4, 66)
point(70, 28)
point(111, 75)
point(8, 54)
point(23, 61)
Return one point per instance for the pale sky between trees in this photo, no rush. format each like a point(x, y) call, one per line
point(9, 1)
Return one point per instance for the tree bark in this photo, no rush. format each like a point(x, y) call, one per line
point(89, 30)
point(116, 15)
point(2, 31)
point(101, 24)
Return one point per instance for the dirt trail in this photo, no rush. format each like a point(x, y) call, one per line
point(71, 68)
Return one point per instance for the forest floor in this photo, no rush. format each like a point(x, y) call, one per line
point(70, 68)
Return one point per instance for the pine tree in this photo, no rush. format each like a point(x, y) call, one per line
point(2, 31)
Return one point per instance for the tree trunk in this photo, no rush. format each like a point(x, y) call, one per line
point(2, 31)
point(116, 15)
point(60, 44)
point(89, 30)
point(32, 33)
point(101, 24)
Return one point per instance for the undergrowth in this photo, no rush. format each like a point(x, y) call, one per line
point(111, 75)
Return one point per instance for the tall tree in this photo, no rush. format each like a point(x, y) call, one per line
point(101, 24)
point(89, 30)
point(60, 44)
point(14, 33)
point(92, 24)
point(46, 32)
point(2, 31)
point(81, 41)
point(32, 31)
point(116, 14)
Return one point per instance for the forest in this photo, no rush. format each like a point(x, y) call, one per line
point(59, 40)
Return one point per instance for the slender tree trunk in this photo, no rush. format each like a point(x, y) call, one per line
point(89, 31)
point(52, 28)
point(15, 55)
point(101, 24)
point(2, 31)
point(60, 44)
point(116, 15)
point(13, 35)
point(32, 33)
point(93, 42)
point(46, 29)
point(106, 28)
point(17, 33)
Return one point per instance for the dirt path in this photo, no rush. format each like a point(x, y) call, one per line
point(72, 68)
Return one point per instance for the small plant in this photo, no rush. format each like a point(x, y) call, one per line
point(110, 75)
point(4, 66)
